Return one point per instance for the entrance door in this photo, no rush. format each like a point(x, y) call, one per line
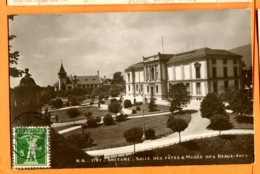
point(152, 90)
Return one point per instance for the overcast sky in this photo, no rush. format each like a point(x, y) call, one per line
point(110, 42)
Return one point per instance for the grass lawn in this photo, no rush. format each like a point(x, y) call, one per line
point(63, 116)
point(215, 150)
point(160, 108)
point(240, 122)
point(112, 136)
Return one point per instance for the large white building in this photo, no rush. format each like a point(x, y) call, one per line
point(203, 71)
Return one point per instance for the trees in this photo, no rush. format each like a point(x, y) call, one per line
point(108, 120)
point(179, 96)
point(177, 125)
point(242, 102)
point(82, 141)
point(149, 133)
point(73, 113)
point(118, 78)
point(133, 135)
point(13, 56)
point(114, 91)
point(220, 122)
point(211, 105)
point(114, 106)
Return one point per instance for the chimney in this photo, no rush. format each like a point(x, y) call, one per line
point(104, 77)
point(98, 73)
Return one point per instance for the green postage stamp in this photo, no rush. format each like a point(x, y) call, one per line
point(30, 147)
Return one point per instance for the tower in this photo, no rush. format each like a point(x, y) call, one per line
point(62, 78)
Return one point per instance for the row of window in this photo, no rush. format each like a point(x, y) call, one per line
point(149, 89)
point(224, 61)
point(225, 72)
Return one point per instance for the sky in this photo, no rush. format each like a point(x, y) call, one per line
point(110, 42)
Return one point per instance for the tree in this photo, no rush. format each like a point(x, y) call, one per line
point(133, 135)
point(178, 96)
point(13, 56)
point(114, 106)
point(118, 78)
point(127, 103)
point(73, 113)
point(108, 120)
point(177, 125)
point(220, 122)
point(57, 103)
point(242, 102)
point(211, 105)
point(152, 106)
point(150, 133)
point(114, 91)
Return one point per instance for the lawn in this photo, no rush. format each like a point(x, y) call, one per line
point(63, 116)
point(240, 122)
point(229, 149)
point(112, 136)
point(160, 109)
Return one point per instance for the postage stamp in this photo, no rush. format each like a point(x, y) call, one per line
point(31, 147)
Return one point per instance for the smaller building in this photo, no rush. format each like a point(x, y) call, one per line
point(67, 82)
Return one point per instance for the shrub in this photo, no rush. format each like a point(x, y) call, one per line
point(73, 113)
point(102, 102)
point(138, 108)
point(121, 117)
point(81, 141)
point(98, 119)
point(127, 103)
point(108, 120)
point(150, 134)
point(220, 122)
point(134, 111)
point(92, 122)
point(114, 106)
point(245, 119)
point(88, 114)
point(56, 103)
point(211, 105)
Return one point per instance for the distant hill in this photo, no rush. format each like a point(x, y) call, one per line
point(246, 52)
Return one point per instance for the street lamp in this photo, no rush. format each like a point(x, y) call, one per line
point(143, 137)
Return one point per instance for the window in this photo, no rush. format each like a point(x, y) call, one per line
point(86, 79)
point(136, 87)
point(235, 72)
point(214, 72)
point(215, 87)
point(197, 68)
point(188, 87)
point(147, 88)
point(226, 84)
point(237, 84)
point(170, 87)
point(225, 71)
point(128, 77)
point(156, 88)
point(214, 62)
point(94, 79)
point(198, 88)
point(129, 88)
point(224, 61)
point(152, 73)
point(234, 61)
point(83, 86)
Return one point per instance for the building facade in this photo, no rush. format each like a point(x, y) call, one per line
point(67, 82)
point(203, 71)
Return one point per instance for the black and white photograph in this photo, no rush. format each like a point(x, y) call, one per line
point(129, 89)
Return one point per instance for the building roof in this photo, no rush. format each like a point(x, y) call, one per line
point(198, 53)
point(135, 66)
point(95, 79)
point(62, 70)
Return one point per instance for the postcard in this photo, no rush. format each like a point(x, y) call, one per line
point(126, 89)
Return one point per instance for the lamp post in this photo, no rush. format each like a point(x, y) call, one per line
point(143, 137)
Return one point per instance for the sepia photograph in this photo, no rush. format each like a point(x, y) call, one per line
point(126, 89)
